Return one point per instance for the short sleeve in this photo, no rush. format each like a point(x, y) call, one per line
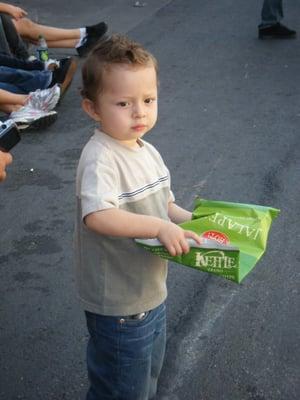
point(98, 188)
point(171, 198)
point(159, 159)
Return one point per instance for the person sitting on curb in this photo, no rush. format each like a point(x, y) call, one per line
point(33, 111)
point(83, 39)
point(37, 111)
point(29, 65)
point(22, 81)
point(14, 53)
point(5, 160)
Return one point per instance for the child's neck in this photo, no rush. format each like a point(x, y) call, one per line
point(132, 144)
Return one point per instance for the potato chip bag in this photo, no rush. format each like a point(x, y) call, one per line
point(234, 238)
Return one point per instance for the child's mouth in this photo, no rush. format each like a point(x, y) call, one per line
point(139, 128)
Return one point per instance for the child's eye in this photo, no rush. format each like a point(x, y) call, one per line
point(149, 101)
point(123, 103)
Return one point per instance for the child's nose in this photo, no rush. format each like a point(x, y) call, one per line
point(139, 111)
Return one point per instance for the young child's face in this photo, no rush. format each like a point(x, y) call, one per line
point(127, 106)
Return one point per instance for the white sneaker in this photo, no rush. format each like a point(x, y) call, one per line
point(30, 118)
point(44, 100)
point(31, 58)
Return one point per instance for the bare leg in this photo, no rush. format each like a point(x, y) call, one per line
point(12, 98)
point(9, 108)
point(31, 31)
point(66, 43)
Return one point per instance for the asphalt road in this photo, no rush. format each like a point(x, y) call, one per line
point(228, 129)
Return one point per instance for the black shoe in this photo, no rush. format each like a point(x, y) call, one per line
point(88, 43)
point(63, 75)
point(276, 31)
point(96, 30)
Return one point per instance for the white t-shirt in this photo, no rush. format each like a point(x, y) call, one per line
point(114, 275)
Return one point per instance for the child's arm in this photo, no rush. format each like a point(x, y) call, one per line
point(116, 222)
point(178, 214)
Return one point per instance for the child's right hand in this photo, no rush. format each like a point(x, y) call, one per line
point(174, 238)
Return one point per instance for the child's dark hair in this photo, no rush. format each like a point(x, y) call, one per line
point(117, 49)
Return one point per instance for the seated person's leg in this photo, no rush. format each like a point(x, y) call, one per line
point(31, 31)
point(81, 38)
point(4, 46)
point(9, 108)
point(14, 62)
point(10, 102)
point(16, 44)
point(24, 82)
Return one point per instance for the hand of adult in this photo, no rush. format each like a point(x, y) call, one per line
point(5, 159)
point(17, 12)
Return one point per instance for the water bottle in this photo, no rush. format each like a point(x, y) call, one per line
point(42, 50)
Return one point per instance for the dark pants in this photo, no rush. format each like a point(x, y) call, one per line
point(271, 12)
point(125, 356)
point(15, 43)
point(18, 63)
point(23, 82)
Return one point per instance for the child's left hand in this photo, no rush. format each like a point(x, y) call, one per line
point(174, 238)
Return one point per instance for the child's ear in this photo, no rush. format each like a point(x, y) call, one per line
point(89, 107)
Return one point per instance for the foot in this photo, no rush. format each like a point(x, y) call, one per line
point(97, 30)
point(88, 43)
point(44, 100)
point(64, 74)
point(276, 31)
point(51, 64)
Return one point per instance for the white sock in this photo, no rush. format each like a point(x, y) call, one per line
point(49, 62)
point(82, 36)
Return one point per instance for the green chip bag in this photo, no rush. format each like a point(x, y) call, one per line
point(234, 237)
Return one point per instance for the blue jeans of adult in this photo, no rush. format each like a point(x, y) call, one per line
point(14, 62)
point(23, 82)
point(125, 355)
point(271, 13)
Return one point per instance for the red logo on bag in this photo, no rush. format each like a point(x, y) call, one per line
point(217, 236)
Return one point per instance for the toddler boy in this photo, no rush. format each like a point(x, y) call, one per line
point(123, 192)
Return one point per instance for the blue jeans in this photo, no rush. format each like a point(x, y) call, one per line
point(271, 12)
point(22, 82)
point(14, 62)
point(125, 356)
